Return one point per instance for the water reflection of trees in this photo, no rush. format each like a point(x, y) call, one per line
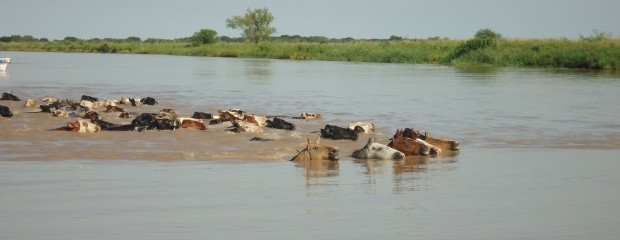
point(257, 69)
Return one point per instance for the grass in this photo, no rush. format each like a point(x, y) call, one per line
point(600, 54)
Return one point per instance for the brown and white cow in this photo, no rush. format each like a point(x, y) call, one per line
point(81, 126)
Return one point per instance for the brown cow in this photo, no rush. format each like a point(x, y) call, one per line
point(410, 146)
point(258, 120)
point(191, 123)
point(111, 109)
point(317, 151)
point(442, 144)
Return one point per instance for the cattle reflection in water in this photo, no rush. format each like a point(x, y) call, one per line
point(319, 162)
point(319, 168)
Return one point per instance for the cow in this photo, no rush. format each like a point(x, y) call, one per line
point(374, 150)
point(95, 118)
point(148, 121)
point(440, 143)
point(89, 98)
point(113, 109)
point(49, 99)
point(202, 115)
point(30, 102)
point(130, 101)
point(81, 126)
point(148, 101)
point(191, 123)
point(307, 115)
point(9, 97)
point(337, 133)
point(410, 146)
point(167, 113)
point(278, 123)
point(258, 120)
point(362, 127)
point(5, 111)
point(317, 151)
point(243, 126)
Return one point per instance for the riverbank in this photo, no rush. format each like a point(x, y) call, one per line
point(601, 54)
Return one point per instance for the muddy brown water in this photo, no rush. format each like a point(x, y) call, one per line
point(539, 154)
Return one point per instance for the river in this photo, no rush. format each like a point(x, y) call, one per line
point(539, 152)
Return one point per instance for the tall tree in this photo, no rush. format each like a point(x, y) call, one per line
point(254, 24)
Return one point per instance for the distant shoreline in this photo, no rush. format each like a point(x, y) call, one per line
point(602, 54)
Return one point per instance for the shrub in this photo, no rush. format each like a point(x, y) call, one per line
point(484, 38)
point(204, 36)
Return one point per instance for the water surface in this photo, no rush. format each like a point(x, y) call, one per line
point(538, 159)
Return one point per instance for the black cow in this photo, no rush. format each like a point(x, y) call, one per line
point(280, 124)
point(148, 101)
point(146, 121)
point(202, 115)
point(5, 111)
point(9, 96)
point(89, 98)
point(95, 118)
point(216, 121)
point(75, 107)
point(337, 133)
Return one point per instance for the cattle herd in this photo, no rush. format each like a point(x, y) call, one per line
point(405, 142)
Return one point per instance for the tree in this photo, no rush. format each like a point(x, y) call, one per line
point(254, 24)
point(204, 36)
point(71, 39)
point(133, 39)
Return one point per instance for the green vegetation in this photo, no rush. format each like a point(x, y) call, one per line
point(204, 36)
point(254, 24)
point(487, 48)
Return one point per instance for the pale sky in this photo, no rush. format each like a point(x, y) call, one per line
point(457, 19)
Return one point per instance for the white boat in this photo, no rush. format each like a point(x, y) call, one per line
point(3, 63)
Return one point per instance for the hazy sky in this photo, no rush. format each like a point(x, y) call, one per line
point(460, 19)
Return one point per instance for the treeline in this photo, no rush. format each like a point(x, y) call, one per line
point(487, 48)
point(281, 38)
